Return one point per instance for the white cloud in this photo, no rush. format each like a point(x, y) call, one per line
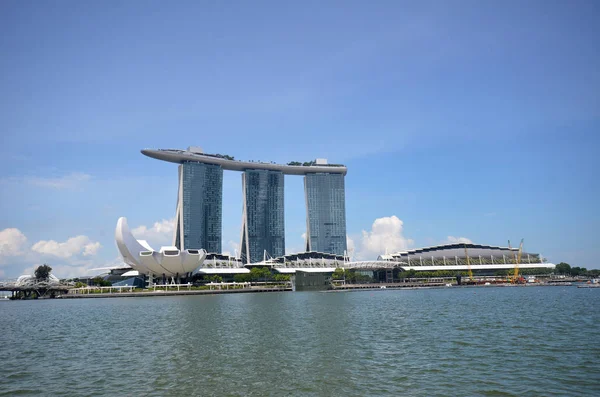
point(71, 258)
point(71, 271)
point(116, 262)
point(386, 235)
point(31, 269)
point(161, 233)
point(350, 245)
point(70, 181)
point(233, 248)
point(457, 240)
point(12, 242)
point(91, 249)
point(65, 268)
point(73, 246)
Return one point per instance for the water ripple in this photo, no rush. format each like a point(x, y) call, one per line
point(446, 342)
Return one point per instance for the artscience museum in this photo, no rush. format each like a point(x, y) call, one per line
point(166, 262)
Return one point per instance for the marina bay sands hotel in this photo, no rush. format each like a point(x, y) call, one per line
point(199, 203)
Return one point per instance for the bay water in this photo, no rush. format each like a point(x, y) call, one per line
point(495, 341)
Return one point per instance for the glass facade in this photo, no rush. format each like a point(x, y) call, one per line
point(326, 212)
point(199, 214)
point(263, 226)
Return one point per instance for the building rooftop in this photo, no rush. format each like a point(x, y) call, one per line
point(456, 249)
point(195, 154)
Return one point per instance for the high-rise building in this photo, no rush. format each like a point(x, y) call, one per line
point(199, 203)
point(199, 207)
point(326, 213)
point(263, 226)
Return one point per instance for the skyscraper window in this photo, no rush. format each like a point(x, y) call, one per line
point(199, 207)
point(263, 228)
point(326, 212)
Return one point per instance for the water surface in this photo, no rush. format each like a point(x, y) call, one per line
point(447, 342)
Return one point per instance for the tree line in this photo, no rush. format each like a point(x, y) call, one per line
point(256, 274)
point(566, 269)
point(351, 276)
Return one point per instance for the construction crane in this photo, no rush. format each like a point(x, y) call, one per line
point(468, 264)
point(517, 256)
point(516, 276)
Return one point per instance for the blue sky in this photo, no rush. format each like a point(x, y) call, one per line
point(465, 119)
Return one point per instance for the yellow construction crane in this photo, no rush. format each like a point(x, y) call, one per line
point(516, 276)
point(517, 256)
point(468, 264)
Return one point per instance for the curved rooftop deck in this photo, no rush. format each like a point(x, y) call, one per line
point(182, 156)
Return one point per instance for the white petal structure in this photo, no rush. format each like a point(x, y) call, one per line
point(169, 261)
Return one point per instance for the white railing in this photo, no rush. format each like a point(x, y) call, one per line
point(234, 285)
point(89, 289)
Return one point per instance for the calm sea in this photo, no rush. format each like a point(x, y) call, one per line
point(449, 342)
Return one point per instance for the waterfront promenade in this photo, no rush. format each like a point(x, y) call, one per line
point(246, 287)
point(169, 290)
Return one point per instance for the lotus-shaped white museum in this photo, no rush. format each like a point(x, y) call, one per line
point(168, 261)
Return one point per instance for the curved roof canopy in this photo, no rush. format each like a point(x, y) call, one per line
point(183, 156)
point(491, 253)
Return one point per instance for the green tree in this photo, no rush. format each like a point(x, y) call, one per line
point(362, 278)
point(266, 274)
point(282, 277)
point(215, 278)
point(338, 274)
point(43, 272)
point(99, 281)
point(408, 274)
point(257, 273)
point(593, 273)
point(578, 271)
point(563, 268)
point(350, 276)
point(241, 278)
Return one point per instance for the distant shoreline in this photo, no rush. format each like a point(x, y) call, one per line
point(338, 288)
point(174, 293)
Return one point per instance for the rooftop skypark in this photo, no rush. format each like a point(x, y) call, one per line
point(227, 162)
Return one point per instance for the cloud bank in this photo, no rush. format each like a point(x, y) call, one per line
point(73, 246)
point(159, 234)
point(386, 235)
point(70, 258)
point(12, 242)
